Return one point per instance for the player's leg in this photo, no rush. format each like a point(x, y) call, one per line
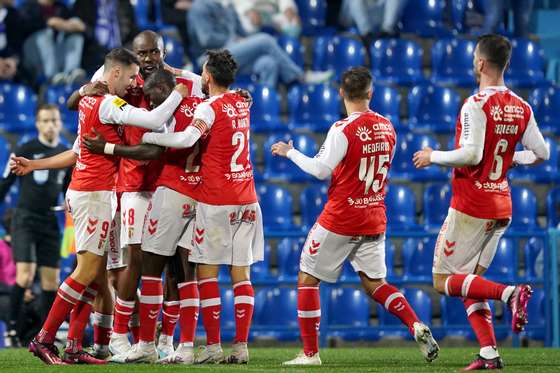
point(170, 310)
point(210, 310)
point(368, 259)
point(103, 307)
point(322, 257)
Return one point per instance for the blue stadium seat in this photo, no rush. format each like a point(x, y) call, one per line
point(67, 265)
point(504, 265)
point(265, 110)
point(546, 107)
point(348, 315)
point(175, 52)
point(526, 69)
point(397, 61)
point(425, 18)
point(401, 208)
point(387, 102)
point(535, 328)
point(458, 9)
point(433, 108)
point(278, 212)
point(257, 172)
point(313, 107)
point(417, 257)
point(402, 166)
point(261, 270)
point(17, 108)
point(311, 202)
point(524, 203)
point(534, 259)
point(288, 253)
point(553, 208)
point(313, 14)
point(349, 274)
point(454, 317)
point(5, 150)
point(452, 62)
point(141, 12)
point(227, 321)
point(545, 172)
point(279, 168)
point(276, 316)
point(293, 48)
point(337, 53)
point(437, 197)
point(58, 94)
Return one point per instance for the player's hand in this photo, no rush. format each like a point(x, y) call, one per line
point(182, 89)
point(95, 144)
point(421, 158)
point(21, 166)
point(97, 88)
point(172, 70)
point(281, 148)
point(245, 94)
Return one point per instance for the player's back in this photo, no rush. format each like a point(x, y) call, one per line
point(95, 172)
point(227, 172)
point(482, 190)
point(356, 195)
point(181, 167)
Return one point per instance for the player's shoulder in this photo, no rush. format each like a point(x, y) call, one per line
point(114, 102)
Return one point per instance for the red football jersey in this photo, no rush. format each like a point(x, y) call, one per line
point(356, 197)
point(181, 167)
point(227, 172)
point(135, 175)
point(482, 191)
point(94, 172)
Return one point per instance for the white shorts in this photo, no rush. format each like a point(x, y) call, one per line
point(116, 255)
point(169, 216)
point(92, 213)
point(324, 253)
point(230, 235)
point(134, 207)
point(465, 242)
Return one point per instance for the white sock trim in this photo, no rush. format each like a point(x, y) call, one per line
point(506, 294)
point(477, 307)
point(467, 284)
point(309, 314)
point(244, 299)
point(391, 298)
point(210, 302)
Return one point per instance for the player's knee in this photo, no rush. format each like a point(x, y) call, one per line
point(307, 279)
point(439, 283)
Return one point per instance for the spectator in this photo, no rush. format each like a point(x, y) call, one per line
point(495, 13)
point(174, 12)
point(108, 24)
point(54, 43)
point(280, 15)
point(10, 40)
point(214, 24)
point(35, 231)
point(373, 18)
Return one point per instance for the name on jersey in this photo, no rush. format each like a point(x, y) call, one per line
point(375, 147)
point(506, 129)
point(363, 202)
point(240, 123)
point(491, 186)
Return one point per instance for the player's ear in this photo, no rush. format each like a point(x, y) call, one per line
point(370, 93)
point(341, 93)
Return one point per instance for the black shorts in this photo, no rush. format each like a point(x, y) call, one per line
point(36, 238)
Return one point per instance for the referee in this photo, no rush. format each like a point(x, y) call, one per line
point(35, 231)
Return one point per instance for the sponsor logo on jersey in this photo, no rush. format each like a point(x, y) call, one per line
point(188, 110)
point(363, 134)
point(496, 113)
point(229, 110)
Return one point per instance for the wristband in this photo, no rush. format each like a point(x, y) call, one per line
point(81, 91)
point(109, 148)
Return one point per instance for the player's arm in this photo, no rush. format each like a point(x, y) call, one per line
point(95, 88)
point(98, 145)
point(8, 179)
point(22, 166)
point(473, 129)
point(203, 119)
point(115, 110)
point(536, 149)
point(322, 165)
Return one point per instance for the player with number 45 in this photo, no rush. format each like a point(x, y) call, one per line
point(357, 155)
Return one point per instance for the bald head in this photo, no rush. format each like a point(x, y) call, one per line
point(149, 48)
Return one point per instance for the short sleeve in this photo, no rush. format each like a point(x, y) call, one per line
point(333, 149)
point(205, 113)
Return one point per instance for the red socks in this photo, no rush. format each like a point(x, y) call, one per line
point(395, 302)
point(170, 316)
point(244, 299)
point(79, 318)
point(211, 306)
point(189, 303)
point(123, 312)
point(151, 298)
point(309, 317)
point(68, 295)
point(480, 318)
point(476, 287)
point(102, 327)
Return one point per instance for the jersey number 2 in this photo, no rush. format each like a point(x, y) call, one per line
point(373, 171)
point(238, 140)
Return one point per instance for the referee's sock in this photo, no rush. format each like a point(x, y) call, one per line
point(47, 300)
point(16, 301)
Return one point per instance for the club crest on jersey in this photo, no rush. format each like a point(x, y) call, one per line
point(364, 134)
point(229, 110)
point(119, 103)
point(496, 112)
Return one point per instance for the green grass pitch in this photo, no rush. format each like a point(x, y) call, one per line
point(527, 360)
